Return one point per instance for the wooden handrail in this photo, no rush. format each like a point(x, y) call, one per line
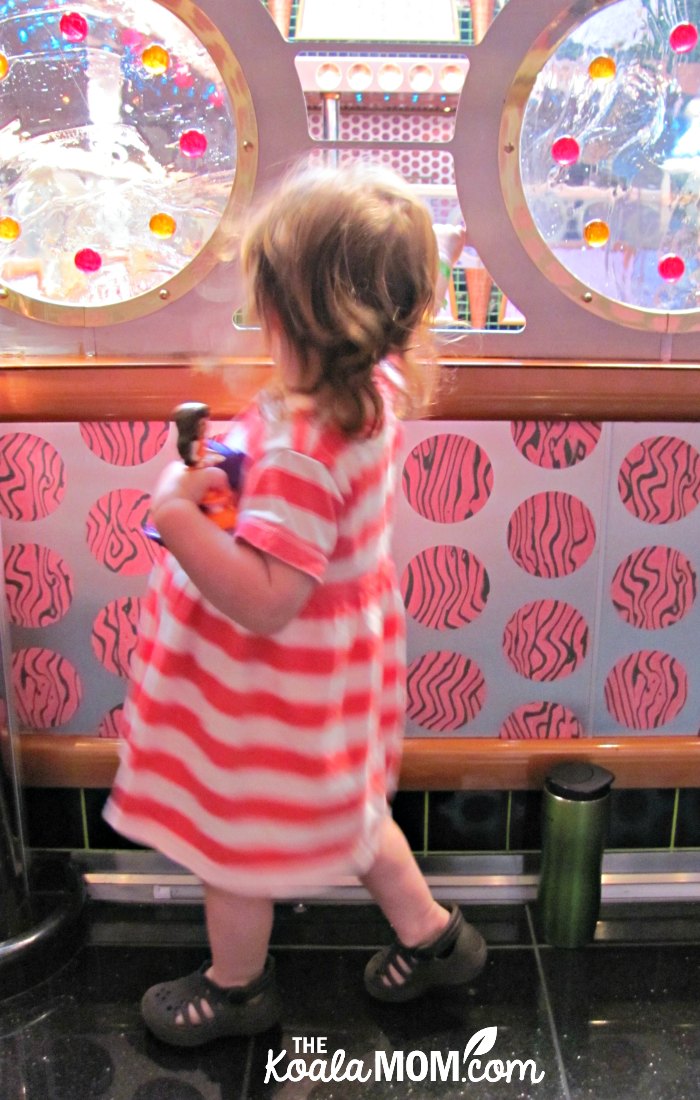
point(440, 763)
point(484, 389)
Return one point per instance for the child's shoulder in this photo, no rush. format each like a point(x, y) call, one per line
point(269, 425)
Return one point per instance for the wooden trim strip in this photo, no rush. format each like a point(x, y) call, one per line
point(441, 763)
point(469, 390)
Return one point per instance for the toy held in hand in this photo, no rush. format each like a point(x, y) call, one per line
point(196, 450)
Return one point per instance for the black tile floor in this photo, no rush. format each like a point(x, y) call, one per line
point(615, 1020)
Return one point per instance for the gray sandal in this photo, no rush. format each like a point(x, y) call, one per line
point(242, 1010)
point(400, 973)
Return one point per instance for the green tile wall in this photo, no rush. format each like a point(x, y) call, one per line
point(455, 822)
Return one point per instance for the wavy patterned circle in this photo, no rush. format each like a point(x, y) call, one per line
point(125, 442)
point(555, 444)
point(654, 587)
point(32, 476)
point(659, 479)
point(38, 583)
point(115, 532)
point(445, 690)
point(540, 721)
point(112, 724)
point(445, 587)
point(551, 534)
point(646, 689)
point(546, 640)
point(47, 688)
point(447, 478)
point(114, 633)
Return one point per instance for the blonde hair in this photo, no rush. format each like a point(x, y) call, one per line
point(345, 262)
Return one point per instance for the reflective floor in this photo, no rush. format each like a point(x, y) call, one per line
point(615, 1020)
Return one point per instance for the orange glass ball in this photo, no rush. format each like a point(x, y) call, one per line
point(162, 225)
point(9, 229)
point(155, 59)
point(4, 66)
point(596, 233)
point(602, 68)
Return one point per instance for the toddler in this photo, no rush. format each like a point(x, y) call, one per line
point(265, 714)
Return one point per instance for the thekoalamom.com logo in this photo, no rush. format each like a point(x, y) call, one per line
point(467, 1066)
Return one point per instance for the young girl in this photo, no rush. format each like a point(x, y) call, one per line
point(267, 700)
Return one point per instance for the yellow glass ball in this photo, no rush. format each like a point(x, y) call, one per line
point(155, 59)
point(596, 233)
point(602, 68)
point(9, 229)
point(162, 225)
point(4, 66)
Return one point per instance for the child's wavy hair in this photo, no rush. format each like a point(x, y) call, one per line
point(345, 262)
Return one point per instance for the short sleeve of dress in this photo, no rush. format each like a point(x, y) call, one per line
point(289, 510)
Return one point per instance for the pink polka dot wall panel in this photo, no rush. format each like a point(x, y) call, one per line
point(73, 500)
point(559, 561)
point(549, 572)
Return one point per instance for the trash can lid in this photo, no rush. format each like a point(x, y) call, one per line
point(579, 781)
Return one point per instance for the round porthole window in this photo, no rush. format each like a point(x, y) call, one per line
point(127, 145)
point(600, 159)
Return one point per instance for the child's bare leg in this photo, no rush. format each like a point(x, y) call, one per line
point(396, 883)
point(239, 931)
point(436, 947)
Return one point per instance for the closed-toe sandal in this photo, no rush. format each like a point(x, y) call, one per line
point(400, 973)
point(238, 1011)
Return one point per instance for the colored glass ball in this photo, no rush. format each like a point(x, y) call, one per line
point(671, 267)
point(130, 38)
point(155, 59)
point(162, 225)
point(596, 233)
point(183, 78)
point(74, 26)
point(4, 66)
point(88, 260)
point(9, 229)
point(193, 143)
point(683, 38)
point(565, 150)
point(602, 68)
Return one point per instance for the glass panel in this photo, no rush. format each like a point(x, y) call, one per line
point(465, 21)
point(472, 299)
point(610, 154)
point(379, 20)
point(117, 149)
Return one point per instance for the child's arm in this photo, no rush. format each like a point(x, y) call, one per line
point(451, 240)
point(259, 592)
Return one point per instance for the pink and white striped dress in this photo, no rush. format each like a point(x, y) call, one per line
point(263, 763)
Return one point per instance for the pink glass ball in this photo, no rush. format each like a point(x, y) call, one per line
point(671, 268)
point(74, 26)
point(87, 260)
point(193, 143)
point(565, 150)
point(183, 78)
point(683, 38)
point(130, 38)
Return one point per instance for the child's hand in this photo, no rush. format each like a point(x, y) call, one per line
point(185, 483)
point(451, 240)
